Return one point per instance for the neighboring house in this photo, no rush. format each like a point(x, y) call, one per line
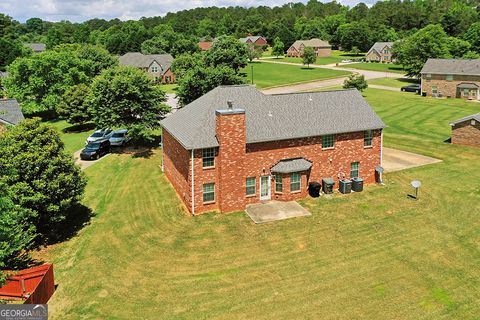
point(321, 48)
point(380, 52)
point(236, 146)
point(256, 40)
point(37, 47)
point(205, 45)
point(157, 65)
point(451, 78)
point(467, 130)
point(10, 113)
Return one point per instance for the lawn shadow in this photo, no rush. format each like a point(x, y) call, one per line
point(408, 80)
point(76, 219)
point(307, 68)
point(449, 140)
point(143, 153)
point(23, 261)
point(77, 128)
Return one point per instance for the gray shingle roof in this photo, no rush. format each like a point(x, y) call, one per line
point(251, 38)
point(452, 66)
point(139, 60)
point(3, 74)
point(37, 47)
point(315, 43)
point(475, 116)
point(291, 165)
point(378, 46)
point(10, 111)
point(272, 117)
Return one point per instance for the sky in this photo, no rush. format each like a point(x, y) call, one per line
point(81, 10)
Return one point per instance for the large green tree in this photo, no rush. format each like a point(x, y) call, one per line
point(127, 97)
point(39, 174)
point(227, 51)
point(413, 51)
point(354, 34)
point(278, 48)
point(10, 50)
point(473, 36)
point(73, 106)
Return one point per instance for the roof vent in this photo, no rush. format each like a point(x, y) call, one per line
point(270, 114)
point(230, 104)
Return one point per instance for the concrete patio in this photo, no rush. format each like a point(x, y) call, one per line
point(396, 160)
point(275, 210)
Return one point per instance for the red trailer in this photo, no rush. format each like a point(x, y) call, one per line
point(32, 286)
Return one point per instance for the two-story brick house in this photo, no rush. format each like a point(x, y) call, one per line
point(451, 78)
point(380, 52)
point(235, 146)
point(157, 65)
point(254, 40)
point(321, 48)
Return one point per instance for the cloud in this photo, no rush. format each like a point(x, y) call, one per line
point(81, 10)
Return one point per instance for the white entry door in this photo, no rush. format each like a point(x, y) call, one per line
point(265, 188)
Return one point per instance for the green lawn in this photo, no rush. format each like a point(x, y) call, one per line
point(370, 255)
point(270, 75)
point(384, 67)
point(393, 82)
point(74, 139)
point(336, 57)
point(169, 88)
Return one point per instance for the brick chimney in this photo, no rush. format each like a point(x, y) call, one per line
point(232, 138)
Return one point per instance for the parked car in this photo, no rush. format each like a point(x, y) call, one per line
point(119, 138)
point(411, 88)
point(95, 150)
point(100, 135)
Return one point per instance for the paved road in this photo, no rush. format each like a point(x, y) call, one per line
point(315, 85)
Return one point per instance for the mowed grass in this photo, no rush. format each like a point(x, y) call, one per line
point(73, 140)
point(336, 57)
point(372, 66)
point(371, 255)
point(269, 74)
point(169, 88)
point(393, 82)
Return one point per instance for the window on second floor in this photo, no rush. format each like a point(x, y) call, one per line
point(449, 77)
point(208, 158)
point(154, 69)
point(429, 76)
point(328, 141)
point(368, 138)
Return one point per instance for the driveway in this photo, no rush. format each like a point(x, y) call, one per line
point(83, 163)
point(396, 160)
point(275, 210)
point(315, 85)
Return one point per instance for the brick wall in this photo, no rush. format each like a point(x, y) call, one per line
point(232, 166)
point(321, 52)
point(176, 165)
point(466, 133)
point(448, 88)
point(168, 77)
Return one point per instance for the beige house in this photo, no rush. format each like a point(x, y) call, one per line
point(467, 130)
point(157, 65)
point(451, 78)
point(380, 52)
point(321, 48)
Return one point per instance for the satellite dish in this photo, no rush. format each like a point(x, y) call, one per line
point(416, 184)
point(379, 169)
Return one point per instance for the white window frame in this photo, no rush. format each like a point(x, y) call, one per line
point(299, 182)
point(449, 77)
point(327, 136)
point(154, 69)
point(254, 185)
point(278, 182)
point(207, 193)
point(368, 138)
point(357, 169)
point(208, 153)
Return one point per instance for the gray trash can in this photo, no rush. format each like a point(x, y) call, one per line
point(357, 184)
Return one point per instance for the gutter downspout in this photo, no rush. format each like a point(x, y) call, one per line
point(381, 149)
point(163, 156)
point(193, 184)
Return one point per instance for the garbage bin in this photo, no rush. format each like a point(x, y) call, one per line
point(357, 184)
point(345, 186)
point(314, 189)
point(328, 185)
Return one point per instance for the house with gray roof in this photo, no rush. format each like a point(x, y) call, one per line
point(451, 78)
point(37, 47)
point(380, 52)
point(236, 146)
point(10, 113)
point(321, 48)
point(256, 40)
point(157, 65)
point(466, 130)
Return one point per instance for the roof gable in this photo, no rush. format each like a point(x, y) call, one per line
point(139, 60)
point(379, 46)
point(315, 43)
point(475, 116)
point(273, 117)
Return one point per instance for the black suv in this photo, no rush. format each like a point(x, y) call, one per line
point(94, 150)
